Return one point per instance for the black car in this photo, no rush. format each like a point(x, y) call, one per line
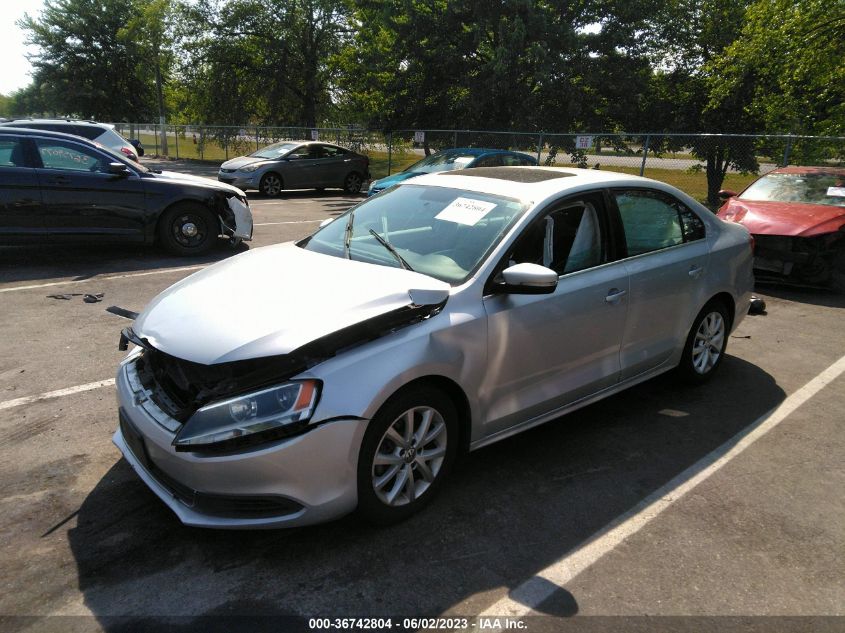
point(57, 187)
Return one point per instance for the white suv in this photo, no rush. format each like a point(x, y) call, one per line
point(102, 133)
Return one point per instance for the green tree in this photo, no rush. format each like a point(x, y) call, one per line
point(494, 64)
point(790, 56)
point(150, 32)
point(685, 38)
point(262, 61)
point(83, 67)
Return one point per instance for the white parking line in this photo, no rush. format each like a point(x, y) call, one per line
point(535, 590)
point(90, 279)
point(17, 402)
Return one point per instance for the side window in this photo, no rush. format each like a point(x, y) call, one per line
point(492, 160)
point(11, 152)
point(511, 160)
point(566, 240)
point(329, 151)
point(653, 220)
point(304, 152)
point(67, 156)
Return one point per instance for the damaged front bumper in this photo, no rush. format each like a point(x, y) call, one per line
point(242, 220)
point(305, 479)
point(795, 260)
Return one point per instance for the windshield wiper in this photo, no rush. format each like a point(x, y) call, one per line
point(347, 235)
point(392, 250)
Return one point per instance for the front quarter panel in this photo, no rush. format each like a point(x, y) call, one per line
point(451, 345)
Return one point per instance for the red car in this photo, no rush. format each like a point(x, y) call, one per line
point(797, 218)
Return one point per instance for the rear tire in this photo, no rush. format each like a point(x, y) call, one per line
point(706, 343)
point(406, 455)
point(353, 183)
point(188, 229)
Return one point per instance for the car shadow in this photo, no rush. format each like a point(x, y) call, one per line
point(84, 261)
point(508, 511)
point(812, 296)
point(308, 194)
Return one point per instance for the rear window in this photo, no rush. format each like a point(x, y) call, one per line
point(109, 138)
point(87, 131)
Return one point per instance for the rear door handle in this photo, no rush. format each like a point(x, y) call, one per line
point(695, 271)
point(614, 295)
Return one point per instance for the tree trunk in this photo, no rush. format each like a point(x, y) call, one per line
point(161, 113)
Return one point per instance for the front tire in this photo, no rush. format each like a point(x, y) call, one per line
point(706, 343)
point(188, 229)
point(407, 453)
point(270, 184)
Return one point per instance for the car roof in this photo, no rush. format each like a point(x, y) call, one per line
point(532, 187)
point(62, 122)
point(28, 131)
point(478, 151)
point(797, 169)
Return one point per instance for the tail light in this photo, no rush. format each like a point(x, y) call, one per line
point(129, 153)
point(751, 242)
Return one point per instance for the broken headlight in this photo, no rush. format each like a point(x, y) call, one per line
point(266, 414)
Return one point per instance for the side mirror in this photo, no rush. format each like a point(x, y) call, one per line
point(118, 169)
point(724, 194)
point(528, 279)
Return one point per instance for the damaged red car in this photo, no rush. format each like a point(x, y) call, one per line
point(797, 218)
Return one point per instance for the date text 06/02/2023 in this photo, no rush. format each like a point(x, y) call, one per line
point(415, 624)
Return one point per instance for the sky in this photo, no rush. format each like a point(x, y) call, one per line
point(16, 68)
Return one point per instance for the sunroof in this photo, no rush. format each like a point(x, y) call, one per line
point(513, 174)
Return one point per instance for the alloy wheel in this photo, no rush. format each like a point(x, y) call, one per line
point(708, 344)
point(409, 456)
point(271, 185)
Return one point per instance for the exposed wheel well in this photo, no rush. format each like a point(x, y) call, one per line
point(728, 301)
point(458, 398)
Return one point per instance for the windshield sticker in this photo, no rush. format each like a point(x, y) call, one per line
point(836, 191)
point(465, 211)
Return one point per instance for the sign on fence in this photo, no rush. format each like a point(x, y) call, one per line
point(583, 142)
point(315, 135)
point(419, 137)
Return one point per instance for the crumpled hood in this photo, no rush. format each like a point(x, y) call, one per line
point(783, 218)
point(242, 161)
point(206, 182)
point(273, 300)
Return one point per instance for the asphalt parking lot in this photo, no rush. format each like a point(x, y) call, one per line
point(664, 507)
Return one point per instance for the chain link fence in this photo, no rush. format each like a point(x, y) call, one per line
point(700, 164)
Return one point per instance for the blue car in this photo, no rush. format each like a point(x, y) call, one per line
point(458, 158)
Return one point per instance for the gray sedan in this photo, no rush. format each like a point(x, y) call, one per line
point(297, 165)
point(442, 315)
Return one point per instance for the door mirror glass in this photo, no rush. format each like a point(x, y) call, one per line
point(529, 279)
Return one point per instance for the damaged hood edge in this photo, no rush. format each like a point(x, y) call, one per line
point(271, 301)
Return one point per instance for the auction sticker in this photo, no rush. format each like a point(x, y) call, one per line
point(465, 211)
point(836, 191)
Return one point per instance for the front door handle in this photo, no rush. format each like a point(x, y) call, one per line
point(614, 295)
point(58, 180)
point(695, 271)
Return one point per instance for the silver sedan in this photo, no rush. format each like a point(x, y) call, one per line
point(297, 165)
point(295, 383)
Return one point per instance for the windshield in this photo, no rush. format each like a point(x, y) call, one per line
point(812, 188)
point(442, 161)
point(276, 150)
point(442, 232)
